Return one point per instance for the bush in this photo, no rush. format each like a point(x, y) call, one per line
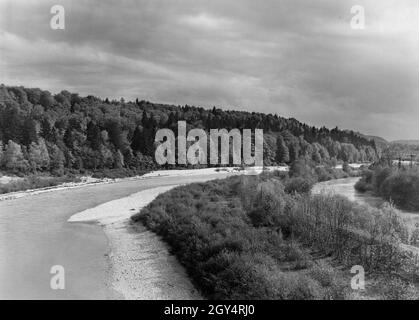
point(300, 168)
point(118, 173)
point(346, 168)
point(403, 189)
point(297, 255)
point(298, 185)
point(400, 186)
point(268, 204)
point(399, 289)
point(414, 237)
point(323, 174)
point(362, 186)
point(299, 287)
point(324, 274)
point(380, 174)
point(232, 275)
point(35, 182)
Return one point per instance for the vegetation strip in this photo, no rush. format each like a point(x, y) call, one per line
point(266, 237)
point(399, 185)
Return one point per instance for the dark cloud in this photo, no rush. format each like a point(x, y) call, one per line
point(297, 58)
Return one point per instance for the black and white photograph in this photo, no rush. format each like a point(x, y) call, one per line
point(211, 150)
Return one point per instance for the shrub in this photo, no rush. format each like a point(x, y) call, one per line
point(298, 185)
point(35, 182)
point(323, 174)
point(117, 173)
point(300, 168)
point(362, 185)
point(269, 203)
point(323, 273)
point(231, 275)
point(346, 168)
point(296, 254)
point(414, 237)
point(403, 189)
point(398, 289)
point(400, 186)
point(380, 174)
point(298, 287)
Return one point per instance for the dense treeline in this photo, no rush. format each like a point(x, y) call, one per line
point(64, 133)
point(249, 237)
point(399, 185)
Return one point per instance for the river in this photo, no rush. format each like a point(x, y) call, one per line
point(35, 235)
point(345, 187)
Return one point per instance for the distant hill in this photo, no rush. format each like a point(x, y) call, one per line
point(380, 142)
point(408, 142)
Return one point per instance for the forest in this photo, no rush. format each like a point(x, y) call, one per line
point(64, 133)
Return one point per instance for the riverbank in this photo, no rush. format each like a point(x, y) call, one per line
point(89, 180)
point(242, 238)
point(399, 185)
point(141, 264)
point(82, 181)
point(346, 188)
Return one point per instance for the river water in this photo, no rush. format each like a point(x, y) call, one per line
point(345, 187)
point(35, 235)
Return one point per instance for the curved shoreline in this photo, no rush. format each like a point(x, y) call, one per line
point(141, 266)
point(65, 186)
point(89, 181)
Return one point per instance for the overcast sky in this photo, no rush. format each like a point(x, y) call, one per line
point(296, 58)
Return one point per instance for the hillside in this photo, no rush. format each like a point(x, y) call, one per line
point(379, 141)
point(65, 133)
point(407, 142)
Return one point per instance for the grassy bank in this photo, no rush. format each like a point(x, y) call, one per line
point(35, 182)
point(38, 181)
point(255, 237)
point(397, 185)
